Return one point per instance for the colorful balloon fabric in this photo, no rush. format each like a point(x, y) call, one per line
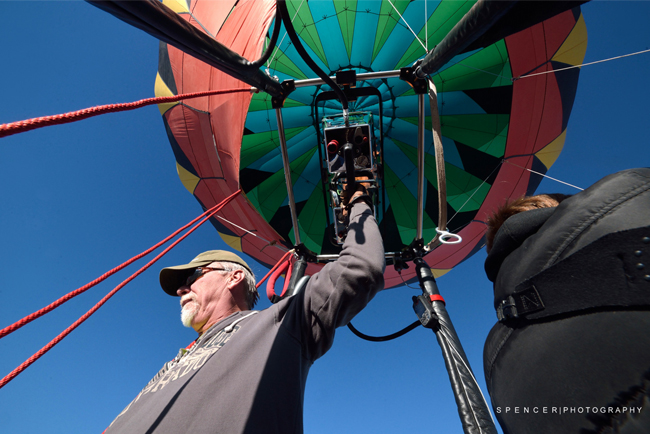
point(495, 125)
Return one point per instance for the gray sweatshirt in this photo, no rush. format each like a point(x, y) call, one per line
point(250, 377)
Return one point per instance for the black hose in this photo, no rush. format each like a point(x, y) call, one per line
point(274, 38)
point(162, 23)
point(288, 25)
point(395, 335)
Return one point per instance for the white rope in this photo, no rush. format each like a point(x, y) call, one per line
point(253, 234)
point(584, 64)
point(475, 191)
point(426, 27)
point(545, 176)
point(484, 71)
point(465, 203)
point(277, 46)
point(407, 26)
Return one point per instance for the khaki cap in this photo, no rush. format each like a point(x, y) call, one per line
point(172, 278)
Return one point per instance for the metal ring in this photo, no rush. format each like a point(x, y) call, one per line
point(444, 237)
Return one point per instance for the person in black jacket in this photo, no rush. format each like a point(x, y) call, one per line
point(570, 352)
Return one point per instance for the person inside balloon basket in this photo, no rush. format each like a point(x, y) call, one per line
point(570, 352)
point(246, 372)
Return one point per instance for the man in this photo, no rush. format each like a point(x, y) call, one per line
point(571, 350)
point(247, 370)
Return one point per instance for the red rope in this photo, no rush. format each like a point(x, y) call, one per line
point(84, 317)
point(29, 318)
point(273, 269)
point(287, 279)
point(270, 285)
point(32, 124)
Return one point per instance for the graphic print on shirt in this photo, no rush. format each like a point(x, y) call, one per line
point(187, 361)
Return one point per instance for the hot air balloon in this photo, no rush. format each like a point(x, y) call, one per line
point(499, 124)
point(496, 125)
point(482, 130)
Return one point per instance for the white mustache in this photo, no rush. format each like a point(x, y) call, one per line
point(187, 299)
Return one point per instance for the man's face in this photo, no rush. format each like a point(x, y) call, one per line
point(199, 299)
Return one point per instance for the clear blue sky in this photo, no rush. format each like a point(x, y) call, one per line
point(79, 199)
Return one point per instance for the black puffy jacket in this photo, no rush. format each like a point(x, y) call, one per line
point(572, 290)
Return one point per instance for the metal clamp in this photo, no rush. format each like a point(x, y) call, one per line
point(425, 312)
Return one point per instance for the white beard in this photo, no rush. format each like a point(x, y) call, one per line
point(188, 312)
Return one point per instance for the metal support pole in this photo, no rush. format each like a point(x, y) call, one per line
point(430, 308)
point(360, 77)
point(420, 211)
point(334, 257)
point(287, 175)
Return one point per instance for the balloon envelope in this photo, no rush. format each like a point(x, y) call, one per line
point(495, 125)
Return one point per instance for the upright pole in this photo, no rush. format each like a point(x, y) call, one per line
point(420, 211)
point(287, 176)
point(430, 308)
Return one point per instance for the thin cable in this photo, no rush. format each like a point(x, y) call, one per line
point(484, 71)
point(445, 334)
point(405, 283)
point(311, 63)
point(546, 176)
point(65, 118)
point(426, 27)
point(253, 234)
point(277, 47)
point(84, 317)
point(578, 66)
point(554, 70)
point(475, 191)
point(466, 392)
point(407, 26)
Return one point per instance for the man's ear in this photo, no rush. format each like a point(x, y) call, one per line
point(236, 277)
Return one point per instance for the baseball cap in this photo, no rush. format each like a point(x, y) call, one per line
point(172, 278)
